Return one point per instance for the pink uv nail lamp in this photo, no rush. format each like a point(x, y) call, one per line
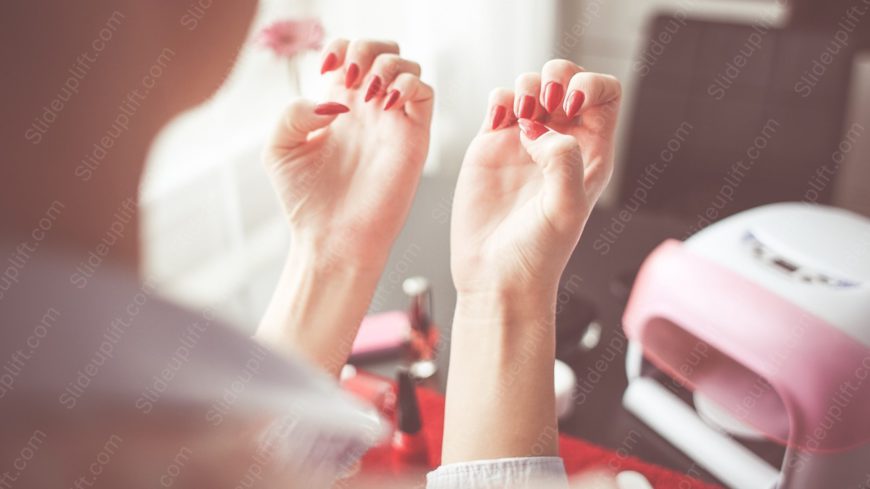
point(765, 318)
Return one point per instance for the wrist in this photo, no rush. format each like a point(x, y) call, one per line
point(500, 326)
point(503, 308)
point(317, 307)
point(501, 372)
point(334, 255)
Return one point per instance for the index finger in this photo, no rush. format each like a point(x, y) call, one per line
point(333, 55)
point(360, 56)
point(555, 77)
point(602, 94)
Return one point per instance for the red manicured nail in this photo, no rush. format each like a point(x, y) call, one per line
point(331, 108)
point(575, 101)
point(498, 113)
point(527, 107)
point(532, 129)
point(553, 93)
point(329, 63)
point(392, 98)
point(352, 73)
point(374, 88)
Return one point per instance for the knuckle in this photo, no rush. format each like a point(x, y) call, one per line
point(559, 64)
point(387, 62)
point(424, 90)
point(393, 45)
point(295, 106)
point(528, 78)
point(564, 146)
point(362, 48)
point(616, 86)
point(579, 77)
point(405, 78)
point(338, 42)
point(499, 93)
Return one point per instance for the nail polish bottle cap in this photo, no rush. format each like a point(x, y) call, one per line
point(415, 285)
point(408, 410)
point(420, 293)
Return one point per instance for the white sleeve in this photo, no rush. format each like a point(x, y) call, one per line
point(511, 473)
point(116, 347)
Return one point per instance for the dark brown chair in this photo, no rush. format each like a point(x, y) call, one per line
point(731, 116)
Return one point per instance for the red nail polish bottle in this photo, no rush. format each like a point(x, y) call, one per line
point(409, 442)
point(424, 332)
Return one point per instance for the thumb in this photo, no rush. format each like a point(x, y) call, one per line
point(559, 157)
point(301, 118)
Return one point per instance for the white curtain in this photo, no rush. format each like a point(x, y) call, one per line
point(466, 49)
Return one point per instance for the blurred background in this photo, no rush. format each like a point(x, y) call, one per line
point(781, 87)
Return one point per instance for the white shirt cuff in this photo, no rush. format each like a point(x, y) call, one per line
point(513, 473)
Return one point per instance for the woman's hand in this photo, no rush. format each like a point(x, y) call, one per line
point(524, 193)
point(346, 172)
point(528, 183)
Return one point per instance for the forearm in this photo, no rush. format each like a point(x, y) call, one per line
point(317, 307)
point(500, 399)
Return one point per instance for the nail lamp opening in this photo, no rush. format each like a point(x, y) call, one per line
point(765, 317)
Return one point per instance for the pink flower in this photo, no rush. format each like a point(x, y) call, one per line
point(288, 38)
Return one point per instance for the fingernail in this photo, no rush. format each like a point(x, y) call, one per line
point(553, 93)
point(575, 101)
point(527, 107)
point(374, 88)
point(532, 129)
point(392, 98)
point(329, 63)
point(352, 73)
point(331, 108)
point(498, 113)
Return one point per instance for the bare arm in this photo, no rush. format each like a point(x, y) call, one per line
point(317, 308)
point(524, 194)
point(346, 194)
point(500, 399)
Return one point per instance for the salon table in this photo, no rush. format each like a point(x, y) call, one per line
point(604, 280)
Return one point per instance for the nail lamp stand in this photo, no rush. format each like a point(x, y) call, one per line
point(765, 317)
